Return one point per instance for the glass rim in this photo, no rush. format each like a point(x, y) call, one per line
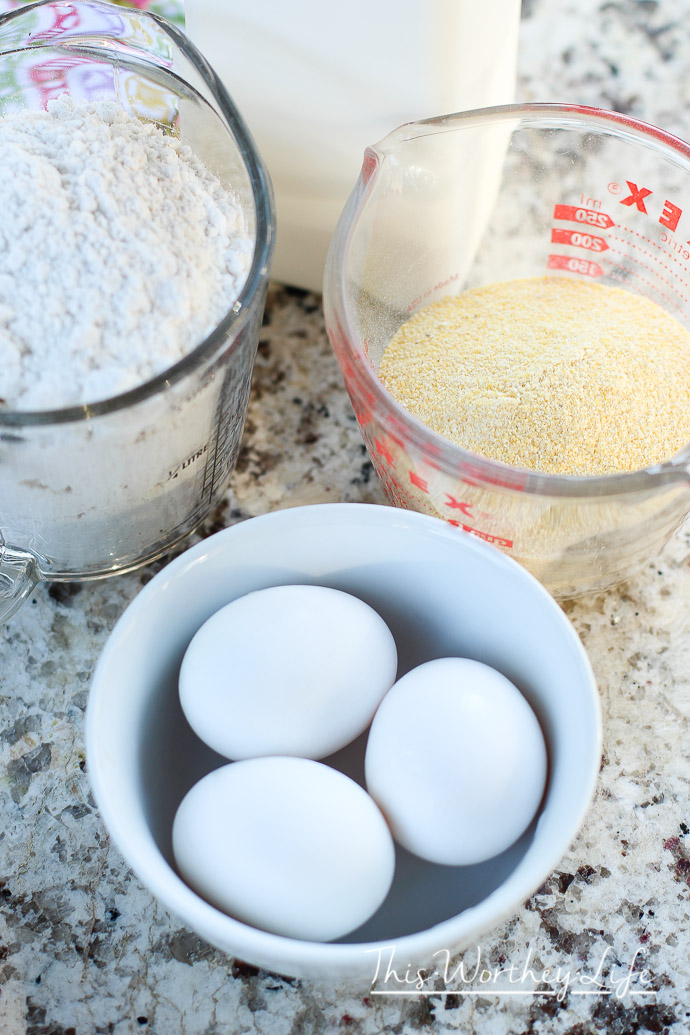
point(262, 192)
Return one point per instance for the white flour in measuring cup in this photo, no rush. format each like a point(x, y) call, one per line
point(119, 253)
point(134, 249)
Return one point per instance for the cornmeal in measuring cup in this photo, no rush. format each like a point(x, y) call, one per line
point(551, 374)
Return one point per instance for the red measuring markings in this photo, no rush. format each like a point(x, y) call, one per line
point(383, 450)
point(497, 540)
point(589, 216)
point(391, 485)
point(466, 509)
point(421, 483)
point(579, 240)
point(565, 262)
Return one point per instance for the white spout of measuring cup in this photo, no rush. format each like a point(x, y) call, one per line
point(18, 576)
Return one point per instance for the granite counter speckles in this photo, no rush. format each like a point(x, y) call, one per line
point(85, 949)
point(301, 441)
point(627, 55)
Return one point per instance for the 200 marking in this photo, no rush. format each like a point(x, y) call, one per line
point(586, 241)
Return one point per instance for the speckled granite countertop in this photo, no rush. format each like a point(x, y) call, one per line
point(84, 949)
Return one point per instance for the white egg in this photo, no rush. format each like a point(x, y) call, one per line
point(456, 760)
point(291, 670)
point(289, 845)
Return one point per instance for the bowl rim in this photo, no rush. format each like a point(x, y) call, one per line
point(292, 956)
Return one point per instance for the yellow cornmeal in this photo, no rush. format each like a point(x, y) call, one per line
point(550, 374)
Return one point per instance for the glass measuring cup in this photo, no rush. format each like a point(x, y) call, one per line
point(500, 193)
point(93, 490)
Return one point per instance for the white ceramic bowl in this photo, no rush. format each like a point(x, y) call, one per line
point(443, 593)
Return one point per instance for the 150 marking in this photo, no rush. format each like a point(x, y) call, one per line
point(584, 266)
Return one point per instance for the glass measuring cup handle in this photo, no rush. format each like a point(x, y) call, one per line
point(18, 576)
